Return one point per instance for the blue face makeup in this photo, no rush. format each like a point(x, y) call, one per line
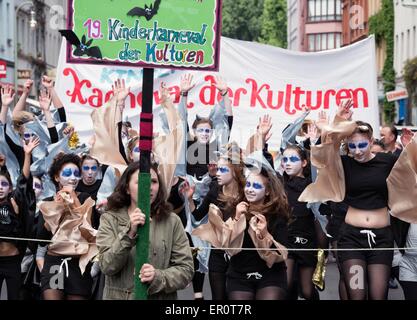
point(360, 145)
point(28, 135)
point(291, 159)
point(255, 185)
point(223, 170)
point(68, 172)
point(136, 149)
point(204, 130)
point(5, 184)
point(87, 168)
point(37, 186)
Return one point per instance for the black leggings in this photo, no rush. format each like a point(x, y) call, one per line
point(366, 281)
point(10, 271)
point(410, 289)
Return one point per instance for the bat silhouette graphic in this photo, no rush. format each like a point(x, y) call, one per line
point(147, 12)
point(83, 47)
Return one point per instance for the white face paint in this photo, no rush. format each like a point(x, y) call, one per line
point(255, 188)
point(69, 175)
point(37, 187)
point(360, 147)
point(224, 173)
point(203, 133)
point(292, 163)
point(135, 154)
point(5, 188)
point(89, 172)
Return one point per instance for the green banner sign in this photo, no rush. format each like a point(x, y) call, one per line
point(175, 34)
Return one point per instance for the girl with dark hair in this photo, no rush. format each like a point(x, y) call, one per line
point(66, 221)
point(259, 222)
point(17, 210)
point(301, 230)
point(170, 266)
point(369, 185)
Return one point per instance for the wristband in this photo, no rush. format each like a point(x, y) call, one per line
point(225, 93)
point(184, 93)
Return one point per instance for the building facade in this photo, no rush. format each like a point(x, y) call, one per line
point(314, 25)
point(37, 47)
point(405, 48)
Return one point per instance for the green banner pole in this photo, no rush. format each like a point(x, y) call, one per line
point(144, 182)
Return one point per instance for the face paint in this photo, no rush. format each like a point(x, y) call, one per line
point(292, 163)
point(69, 176)
point(135, 154)
point(255, 190)
point(37, 187)
point(28, 135)
point(203, 133)
point(224, 173)
point(292, 159)
point(89, 172)
point(5, 188)
point(359, 147)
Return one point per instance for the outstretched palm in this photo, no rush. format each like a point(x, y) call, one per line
point(45, 100)
point(7, 95)
point(187, 83)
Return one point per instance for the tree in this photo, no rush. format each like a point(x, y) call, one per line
point(242, 19)
point(274, 23)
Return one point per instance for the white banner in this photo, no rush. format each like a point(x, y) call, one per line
point(262, 80)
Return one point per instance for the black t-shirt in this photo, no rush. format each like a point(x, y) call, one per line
point(366, 185)
point(294, 186)
point(177, 201)
point(249, 260)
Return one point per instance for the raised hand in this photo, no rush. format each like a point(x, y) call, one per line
point(344, 110)
point(45, 100)
point(312, 132)
point(323, 120)
point(406, 136)
point(164, 92)
point(221, 85)
point(7, 95)
point(186, 190)
point(29, 145)
point(47, 82)
point(120, 91)
point(265, 125)
point(187, 84)
point(27, 86)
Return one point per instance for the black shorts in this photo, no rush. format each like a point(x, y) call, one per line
point(254, 281)
point(302, 235)
point(56, 275)
point(303, 258)
point(354, 237)
point(218, 261)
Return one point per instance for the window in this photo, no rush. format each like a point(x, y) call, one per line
point(323, 41)
point(324, 10)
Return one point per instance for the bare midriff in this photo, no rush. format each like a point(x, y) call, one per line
point(372, 219)
point(8, 249)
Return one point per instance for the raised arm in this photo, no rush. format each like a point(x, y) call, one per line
point(221, 85)
point(7, 97)
point(28, 147)
point(21, 104)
